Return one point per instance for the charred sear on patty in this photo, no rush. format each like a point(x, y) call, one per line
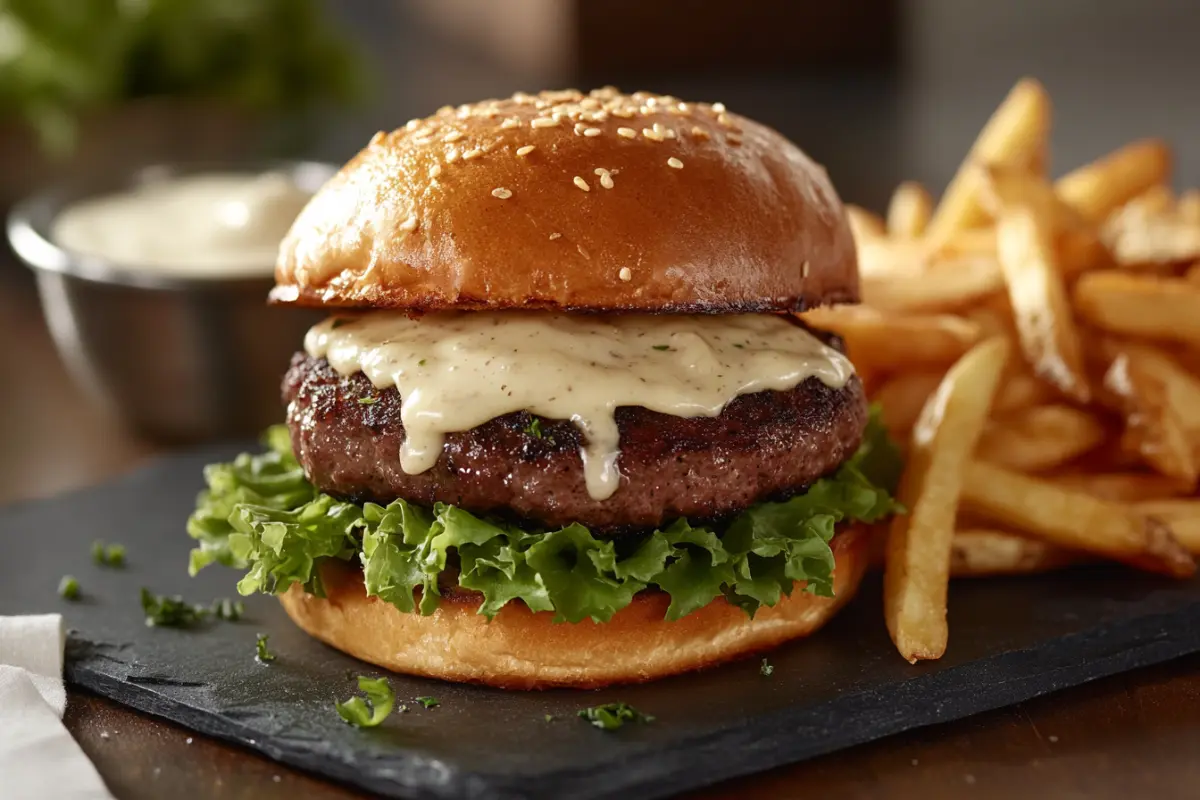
point(763, 446)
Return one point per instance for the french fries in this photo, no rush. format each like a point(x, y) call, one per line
point(1040, 438)
point(878, 339)
point(909, 212)
point(1015, 134)
point(918, 552)
point(1086, 445)
point(1045, 324)
point(1135, 305)
point(980, 552)
point(1073, 520)
point(1097, 189)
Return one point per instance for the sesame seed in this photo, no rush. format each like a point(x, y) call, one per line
point(625, 274)
point(554, 236)
point(628, 133)
point(582, 251)
point(445, 110)
point(718, 108)
point(590, 132)
point(511, 122)
point(652, 134)
point(622, 112)
point(725, 120)
point(452, 136)
point(699, 132)
point(409, 224)
point(412, 124)
point(674, 162)
point(733, 138)
point(451, 155)
point(543, 122)
point(582, 184)
point(804, 268)
point(435, 170)
point(476, 153)
point(524, 151)
point(580, 128)
point(606, 181)
point(377, 138)
point(501, 192)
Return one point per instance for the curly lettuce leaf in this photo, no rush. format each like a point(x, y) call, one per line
point(261, 514)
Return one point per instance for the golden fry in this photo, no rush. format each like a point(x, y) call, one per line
point(918, 555)
point(1015, 134)
point(909, 212)
point(1073, 520)
point(1138, 305)
point(1045, 323)
point(1145, 234)
point(980, 552)
point(881, 339)
point(864, 225)
point(1040, 438)
point(1021, 390)
point(1097, 189)
point(941, 286)
point(1182, 515)
point(902, 398)
point(1121, 487)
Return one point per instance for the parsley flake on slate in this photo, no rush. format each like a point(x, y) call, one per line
point(262, 654)
point(611, 716)
point(550, 718)
point(421, 363)
point(534, 429)
point(68, 588)
point(428, 702)
point(356, 712)
point(112, 555)
point(662, 347)
point(228, 610)
point(767, 668)
point(170, 612)
point(368, 401)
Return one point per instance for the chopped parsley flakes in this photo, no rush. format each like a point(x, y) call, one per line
point(380, 697)
point(611, 716)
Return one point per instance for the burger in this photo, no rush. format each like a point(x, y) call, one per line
point(562, 425)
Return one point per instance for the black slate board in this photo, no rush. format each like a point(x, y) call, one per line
point(1012, 639)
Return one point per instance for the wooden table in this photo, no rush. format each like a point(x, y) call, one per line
point(1129, 736)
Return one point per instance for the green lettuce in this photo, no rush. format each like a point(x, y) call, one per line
point(262, 515)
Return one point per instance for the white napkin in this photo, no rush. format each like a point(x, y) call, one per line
point(38, 757)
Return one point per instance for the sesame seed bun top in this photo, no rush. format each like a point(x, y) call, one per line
point(565, 200)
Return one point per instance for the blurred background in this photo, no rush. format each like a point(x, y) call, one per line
point(878, 90)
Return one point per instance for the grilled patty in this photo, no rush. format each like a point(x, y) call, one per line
point(763, 446)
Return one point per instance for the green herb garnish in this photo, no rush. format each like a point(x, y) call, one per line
point(534, 429)
point(112, 555)
point(662, 347)
point(428, 702)
point(368, 401)
point(228, 610)
point(171, 612)
point(767, 668)
point(98, 554)
point(261, 514)
point(611, 716)
point(550, 718)
point(68, 588)
point(421, 363)
point(261, 653)
point(381, 698)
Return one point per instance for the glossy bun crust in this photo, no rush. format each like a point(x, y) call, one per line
point(687, 208)
point(519, 649)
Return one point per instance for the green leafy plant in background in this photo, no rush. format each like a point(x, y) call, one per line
point(60, 59)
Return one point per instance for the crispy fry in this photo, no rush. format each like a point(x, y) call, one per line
point(908, 213)
point(1188, 206)
point(1137, 305)
point(918, 554)
point(1073, 519)
point(1045, 324)
point(1154, 424)
point(1021, 390)
point(1182, 386)
point(1040, 438)
point(1015, 134)
point(1006, 187)
point(941, 286)
point(902, 399)
point(968, 242)
point(864, 225)
point(1121, 487)
point(978, 552)
point(1143, 233)
point(880, 339)
point(1099, 188)
point(1182, 515)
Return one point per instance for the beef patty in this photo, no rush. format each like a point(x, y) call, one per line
point(763, 446)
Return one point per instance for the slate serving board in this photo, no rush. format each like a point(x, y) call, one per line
point(1012, 639)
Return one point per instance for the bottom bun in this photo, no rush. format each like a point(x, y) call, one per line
point(521, 649)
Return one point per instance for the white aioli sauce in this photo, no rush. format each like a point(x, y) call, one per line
point(457, 371)
point(215, 225)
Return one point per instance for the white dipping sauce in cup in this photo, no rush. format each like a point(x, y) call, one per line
point(218, 225)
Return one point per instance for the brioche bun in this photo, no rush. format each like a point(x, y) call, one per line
point(700, 211)
point(520, 649)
